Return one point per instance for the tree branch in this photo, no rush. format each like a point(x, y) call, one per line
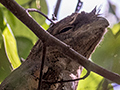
point(56, 9)
point(35, 10)
point(24, 17)
point(79, 6)
point(41, 69)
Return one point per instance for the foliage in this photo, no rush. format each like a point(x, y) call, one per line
point(15, 38)
point(107, 56)
point(92, 82)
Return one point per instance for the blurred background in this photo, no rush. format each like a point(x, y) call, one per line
point(108, 8)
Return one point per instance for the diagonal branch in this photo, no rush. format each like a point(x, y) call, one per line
point(47, 38)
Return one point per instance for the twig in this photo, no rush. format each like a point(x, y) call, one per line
point(56, 9)
point(35, 10)
point(41, 69)
point(79, 6)
point(64, 81)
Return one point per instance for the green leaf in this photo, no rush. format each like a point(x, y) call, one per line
point(37, 4)
point(92, 82)
point(107, 54)
point(1, 39)
point(21, 2)
point(43, 8)
point(1, 26)
point(1, 20)
point(45, 26)
point(5, 66)
point(24, 46)
point(89, 83)
point(10, 47)
point(11, 18)
point(19, 29)
point(116, 29)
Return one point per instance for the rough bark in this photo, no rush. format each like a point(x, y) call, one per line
point(82, 32)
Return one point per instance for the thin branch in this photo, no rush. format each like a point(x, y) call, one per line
point(24, 17)
point(56, 9)
point(41, 69)
point(35, 10)
point(79, 6)
point(64, 81)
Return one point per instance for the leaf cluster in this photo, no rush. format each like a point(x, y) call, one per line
point(16, 40)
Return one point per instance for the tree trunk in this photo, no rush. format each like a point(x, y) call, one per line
point(82, 32)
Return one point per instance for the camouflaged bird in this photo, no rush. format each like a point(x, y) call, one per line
point(82, 31)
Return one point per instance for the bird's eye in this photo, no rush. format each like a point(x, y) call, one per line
point(65, 29)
